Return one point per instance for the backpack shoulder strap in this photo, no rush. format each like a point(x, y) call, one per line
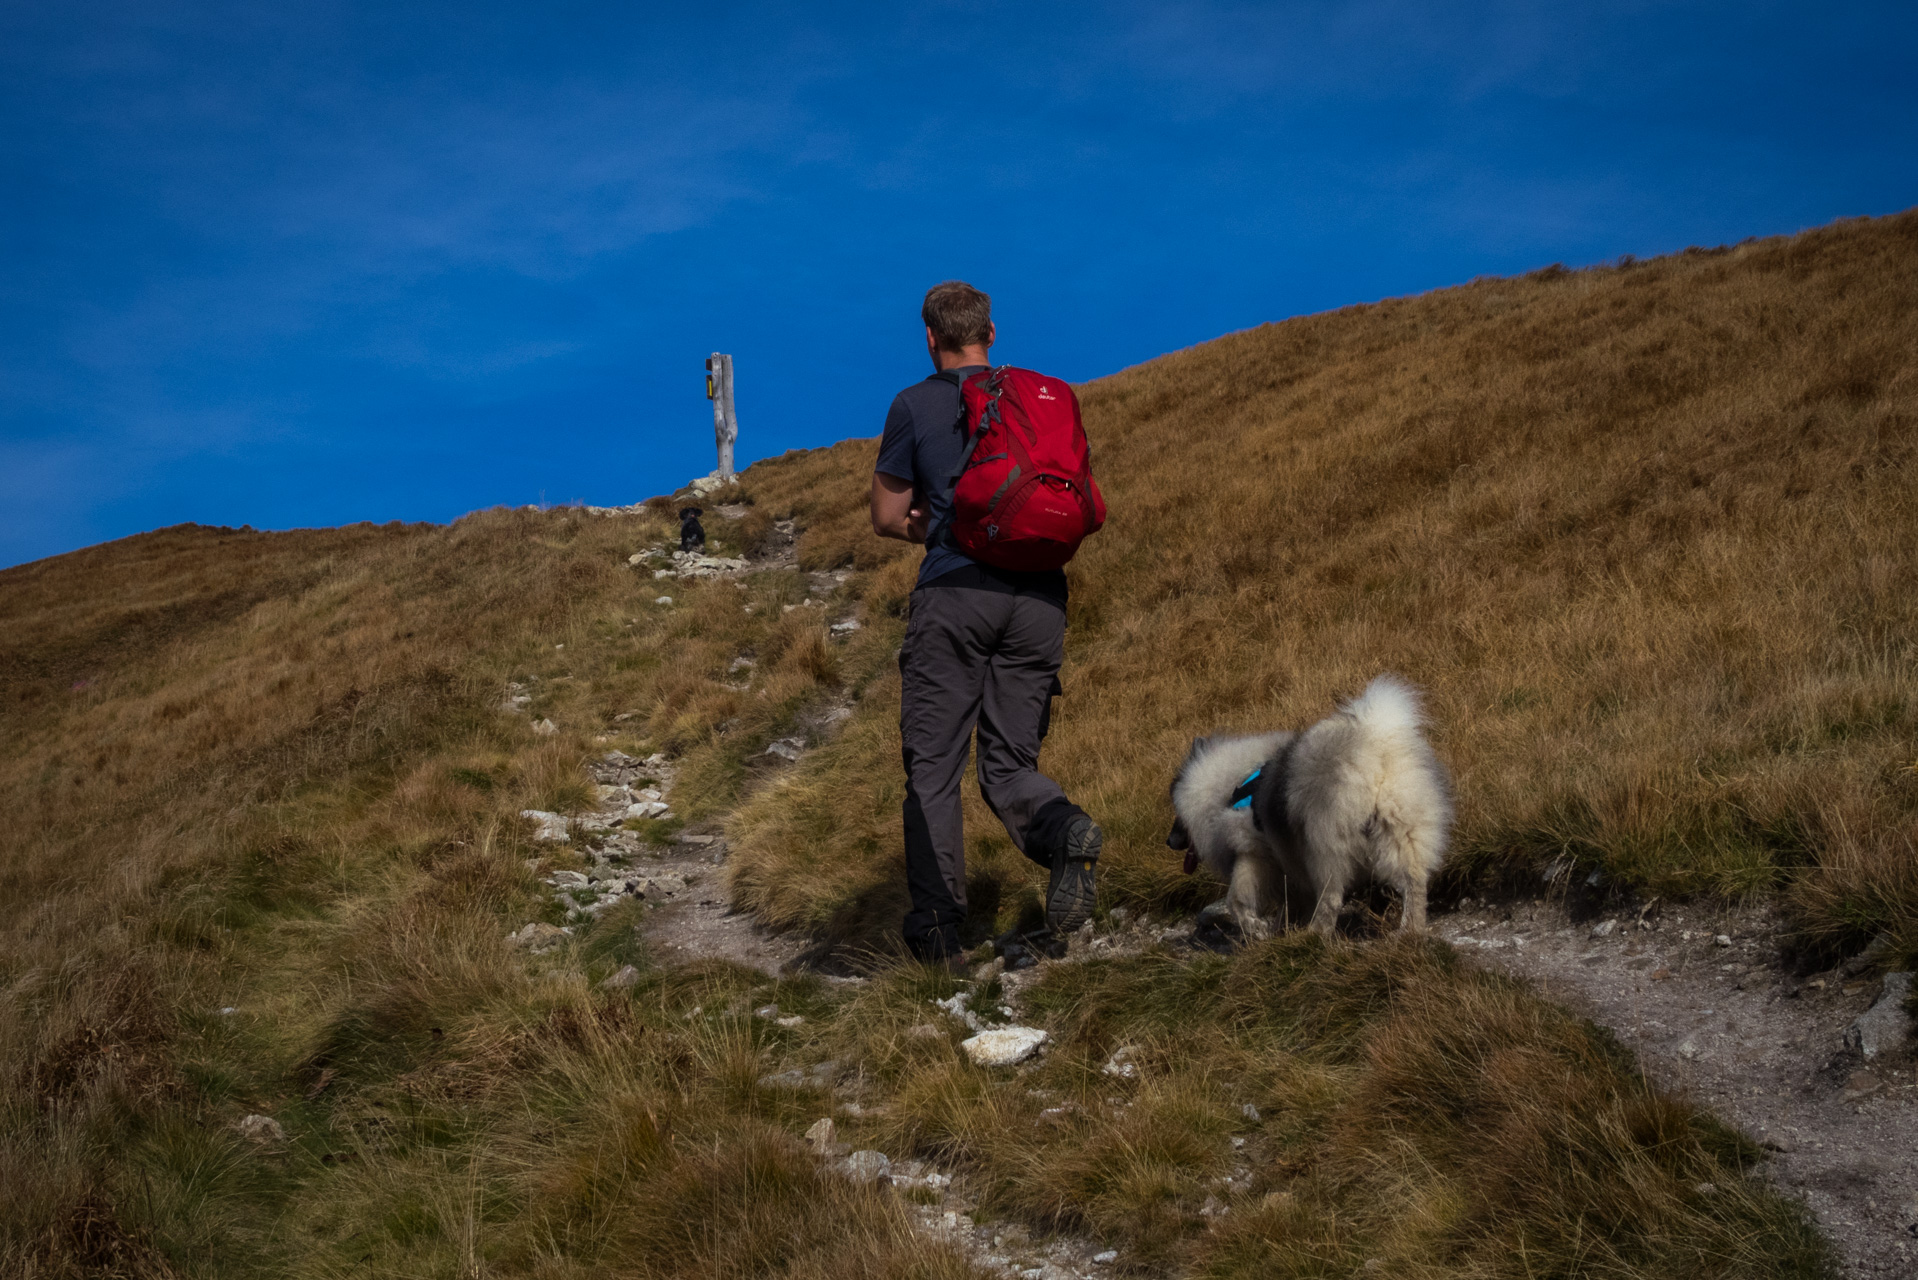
point(973, 439)
point(957, 381)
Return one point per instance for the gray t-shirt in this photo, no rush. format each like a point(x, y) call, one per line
point(923, 444)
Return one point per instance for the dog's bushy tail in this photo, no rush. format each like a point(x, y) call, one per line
point(1388, 706)
point(1412, 805)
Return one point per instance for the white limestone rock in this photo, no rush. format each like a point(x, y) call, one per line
point(264, 1130)
point(711, 483)
point(539, 937)
point(1885, 1025)
point(867, 1166)
point(661, 887)
point(552, 826)
point(627, 976)
point(1004, 1046)
point(696, 564)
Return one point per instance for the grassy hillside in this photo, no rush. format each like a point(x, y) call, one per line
point(263, 852)
point(1644, 533)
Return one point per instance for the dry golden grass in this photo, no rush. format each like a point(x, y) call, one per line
point(1643, 532)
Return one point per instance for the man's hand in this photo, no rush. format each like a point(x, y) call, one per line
point(893, 514)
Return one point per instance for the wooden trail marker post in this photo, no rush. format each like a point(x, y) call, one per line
point(719, 389)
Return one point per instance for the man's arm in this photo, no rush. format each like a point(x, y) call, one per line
point(893, 515)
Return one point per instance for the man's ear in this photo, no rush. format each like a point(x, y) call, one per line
point(992, 333)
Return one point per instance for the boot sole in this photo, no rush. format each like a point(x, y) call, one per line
point(1074, 889)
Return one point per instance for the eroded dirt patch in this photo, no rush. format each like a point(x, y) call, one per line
point(704, 922)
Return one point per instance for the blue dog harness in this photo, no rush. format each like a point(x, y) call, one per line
point(1242, 794)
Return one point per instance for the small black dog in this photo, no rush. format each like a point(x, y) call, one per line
point(691, 536)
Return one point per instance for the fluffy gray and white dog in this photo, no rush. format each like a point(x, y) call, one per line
point(1292, 822)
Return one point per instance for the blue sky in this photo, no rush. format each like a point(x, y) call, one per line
point(305, 264)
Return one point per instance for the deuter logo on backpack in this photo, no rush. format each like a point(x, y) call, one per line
point(1024, 497)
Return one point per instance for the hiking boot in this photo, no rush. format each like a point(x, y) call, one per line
point(1070, 895)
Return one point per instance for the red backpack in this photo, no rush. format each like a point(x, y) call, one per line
point(1024, 496)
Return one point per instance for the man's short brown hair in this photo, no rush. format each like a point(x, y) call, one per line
point(959, 315)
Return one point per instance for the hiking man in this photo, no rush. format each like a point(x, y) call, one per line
point(983, 648)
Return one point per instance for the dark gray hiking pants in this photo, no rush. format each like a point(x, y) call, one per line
point(985, 658)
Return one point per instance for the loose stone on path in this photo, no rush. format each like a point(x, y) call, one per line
point(1004, 1046)
point(1885, 1025)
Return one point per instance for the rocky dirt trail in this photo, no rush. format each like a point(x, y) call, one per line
point(705, 923)
point(1818, 1068)
point(682, 884)
point(688, 916)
